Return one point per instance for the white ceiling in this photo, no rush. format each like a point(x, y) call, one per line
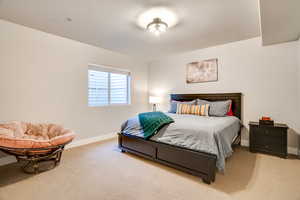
point(280, 20)
point(111, 24)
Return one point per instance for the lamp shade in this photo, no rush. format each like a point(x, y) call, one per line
point(154, 99)
point(157, 26)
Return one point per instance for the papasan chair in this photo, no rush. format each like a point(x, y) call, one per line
point(33, 144)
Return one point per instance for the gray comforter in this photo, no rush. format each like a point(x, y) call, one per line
point(207, 134)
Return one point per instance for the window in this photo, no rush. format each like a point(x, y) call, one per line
point(108, 86)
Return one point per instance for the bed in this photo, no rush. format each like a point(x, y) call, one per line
point(196, 161)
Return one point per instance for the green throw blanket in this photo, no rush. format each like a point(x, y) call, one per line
point(151, 122)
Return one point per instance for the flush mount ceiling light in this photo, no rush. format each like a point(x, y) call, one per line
point(157, 20)
point(157, 26)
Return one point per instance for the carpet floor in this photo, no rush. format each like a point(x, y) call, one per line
point(99, 171)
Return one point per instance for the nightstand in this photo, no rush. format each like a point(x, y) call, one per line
point(269, 139)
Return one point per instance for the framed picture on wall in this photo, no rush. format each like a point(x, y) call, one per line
point(202, 71)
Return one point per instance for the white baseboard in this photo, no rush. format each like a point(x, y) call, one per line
point(11, 159)
point(245, 143)
point(291, 150)
point(86, 141)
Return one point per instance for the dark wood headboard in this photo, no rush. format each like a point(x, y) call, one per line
point(235, 97)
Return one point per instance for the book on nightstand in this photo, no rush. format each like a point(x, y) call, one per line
point(266, 121)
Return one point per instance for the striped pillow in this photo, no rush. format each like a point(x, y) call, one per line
point(201, 110)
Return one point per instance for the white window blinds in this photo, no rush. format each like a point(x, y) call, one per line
point(108, 86)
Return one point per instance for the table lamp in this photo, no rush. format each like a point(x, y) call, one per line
point(154, 100)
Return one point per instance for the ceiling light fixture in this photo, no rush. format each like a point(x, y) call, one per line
point(157, 20)
point(157, 26)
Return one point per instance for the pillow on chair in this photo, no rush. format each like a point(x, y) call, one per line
point(29, 135)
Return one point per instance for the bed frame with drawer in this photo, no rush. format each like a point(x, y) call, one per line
point(197, 163)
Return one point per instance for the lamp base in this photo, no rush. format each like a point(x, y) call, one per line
point(154, 108)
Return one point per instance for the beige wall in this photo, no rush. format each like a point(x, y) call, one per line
point(43, 78)
point(265, 75)
point(299, 83)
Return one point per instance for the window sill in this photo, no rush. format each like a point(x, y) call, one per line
point(110, 105)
